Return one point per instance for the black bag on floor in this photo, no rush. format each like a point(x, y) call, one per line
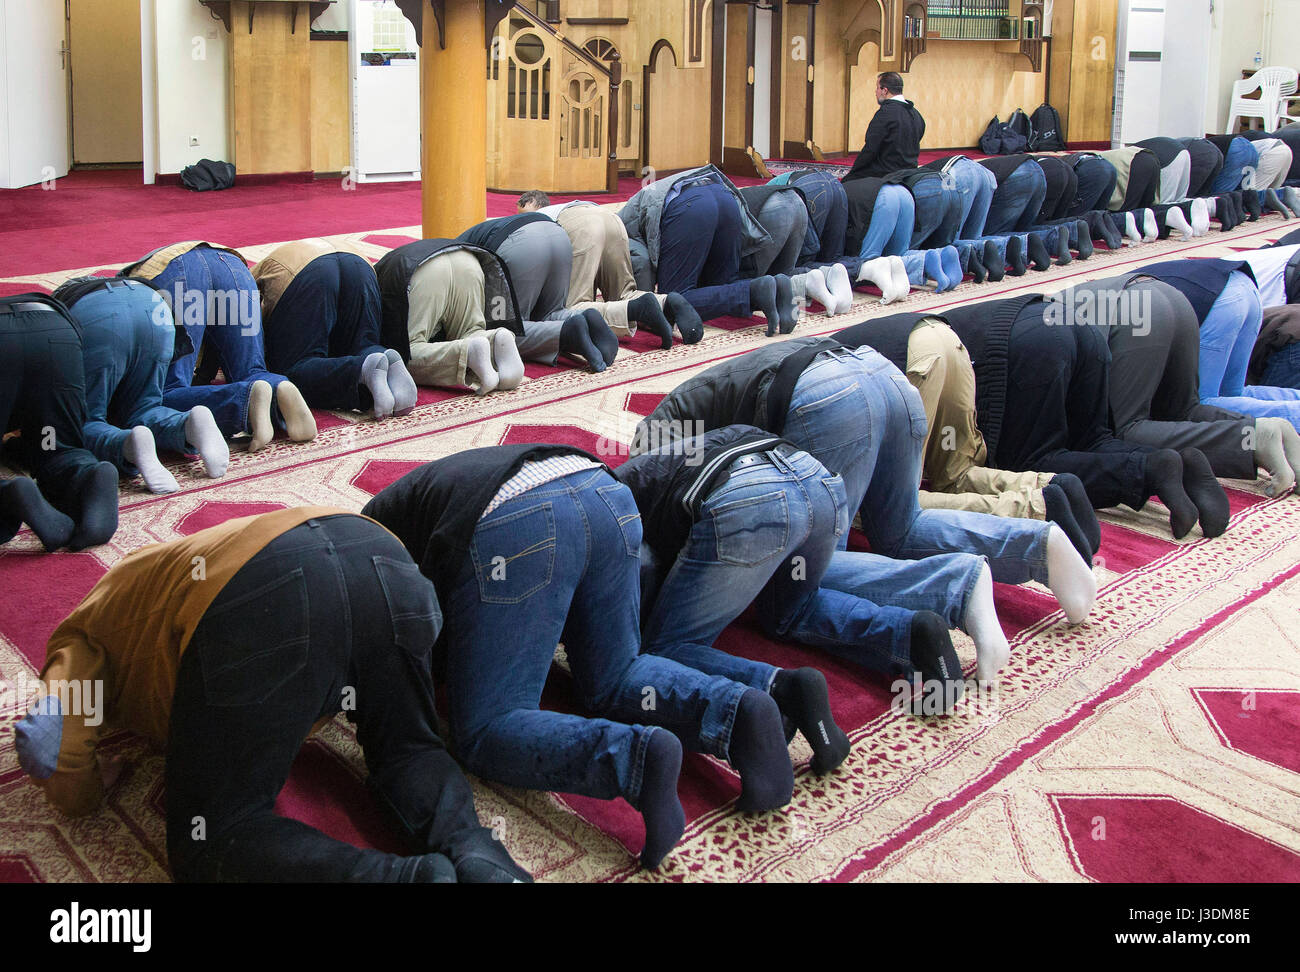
point(206, 175)
point(1020, 124)
point(1048, 135)
point(1000, 138)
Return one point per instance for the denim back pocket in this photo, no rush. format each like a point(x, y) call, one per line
point(412, 605)
point(841, 418)
point(514, 555)
point(752, 531)
point(252, 645)
point(624, 510)
point(839, 498)
point(915, 409)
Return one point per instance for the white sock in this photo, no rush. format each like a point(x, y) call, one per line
point(1175, 220)
point(816, 287)
point(374, 375)
point(1272, 454)
point(980, 621)
point(205, 438)
point(1131, 228)
point(837, 278)
point(259, 416)
point(1211, 205)
point(881, 273)
point(401, 384)
point(902, 286)
point(1200, 217)
point(298, 420)
point(505, 355)
point(1290, 197)
point(141, 452)
point(1150, 228)
point(478, 359)
point(1071, 580)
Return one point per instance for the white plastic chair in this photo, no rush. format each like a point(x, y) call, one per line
point(1272, 83)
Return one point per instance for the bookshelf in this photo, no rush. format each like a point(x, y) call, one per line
point(914, 31)
point(1015, 26)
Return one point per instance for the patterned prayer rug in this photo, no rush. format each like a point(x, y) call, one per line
point(1157, 741)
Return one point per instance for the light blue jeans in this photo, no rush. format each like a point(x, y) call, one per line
point(892, 219)
point(768, 536)
point(860, 417)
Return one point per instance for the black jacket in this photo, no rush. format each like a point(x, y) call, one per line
point(491, 233)
point(893, 141)
point(888, 335)
point(1200, 281)
point(397, 268)
point(752, 389)
point(671, 483)
point(435, 509)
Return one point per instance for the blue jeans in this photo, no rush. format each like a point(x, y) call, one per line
point(859, 416)
point(892, 219)
point(219, 301)
point(1017, 201)
point(559, 563)
point(699, 252)
point(828, 207)
point(1282, 368)
point(766, 537)
point(938, 213)
point(1097, 179)
point(976, 185)
point(1241, 153)
point(127, 340)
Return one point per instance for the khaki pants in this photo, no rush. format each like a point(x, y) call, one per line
point(941, 371)
point(446, 309)
point(602, 261)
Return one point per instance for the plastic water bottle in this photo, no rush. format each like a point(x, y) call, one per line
point(1259, 60)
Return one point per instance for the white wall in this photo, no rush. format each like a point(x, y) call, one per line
point(4, 103)
point(190, 87)
point(1282, 45)
point(1188, 37)
point(1237, 33)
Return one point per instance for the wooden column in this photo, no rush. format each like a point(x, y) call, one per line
point(453, 111)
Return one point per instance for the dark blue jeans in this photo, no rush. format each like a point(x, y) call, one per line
point(828, 206)
point(127, 338)
point(332, 611)
point(938, 205)
point(1282, 368)
point(323, 327)
point(1096, 184)
point(1017, 201)
point(42, 388)
point(214, 296)
point(560, 563)
point(699, 252)
point(1240, 154)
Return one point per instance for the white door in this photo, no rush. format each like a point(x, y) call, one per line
point(763, 83)
point(33, 92)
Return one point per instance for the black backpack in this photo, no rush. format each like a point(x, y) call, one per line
point(1000, 138)
point(1048, 135)
point(206, 175)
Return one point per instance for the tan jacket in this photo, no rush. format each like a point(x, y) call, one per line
point(278, 268)
point(130, 633)
point(156, 262)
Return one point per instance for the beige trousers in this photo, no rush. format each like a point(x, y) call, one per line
point(602, 262)
point(941, 370)
point(446, 309)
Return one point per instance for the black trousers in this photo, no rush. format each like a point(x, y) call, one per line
point(1057, 411)
point(1143, 181)
point(1062, 188)
point(1154, 397)
point(323, 327)
point(1207, 163)
point(1095, 180)
point(331, 616)
point(43, 395)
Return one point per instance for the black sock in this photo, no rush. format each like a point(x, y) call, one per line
point(1063, 255)
point(606, 340)
point(646, 312)
point(785, 303)
point(479, 858)
point(21, 502)
point(1235, 208)
point(1081, 507)
point(1016, 256)
point(935, 659)
point(762, 297)
point(1084, 244)
point(685, 318)
point(658, 804)
point(1225, 213)
point(1100, 227)
point(98, 520)
point(1249, 199)
point(801, 694)
point(1037, 253)
point(1164, 478)
point(1060, 512)
point(994, 262)
point(1206, 492)
point(434, 869)
point(975, 264)
point(759, 754)
point(575, 340)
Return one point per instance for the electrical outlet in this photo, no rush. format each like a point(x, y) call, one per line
point(194, 141)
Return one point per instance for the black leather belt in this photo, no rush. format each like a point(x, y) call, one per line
point(25, 307)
